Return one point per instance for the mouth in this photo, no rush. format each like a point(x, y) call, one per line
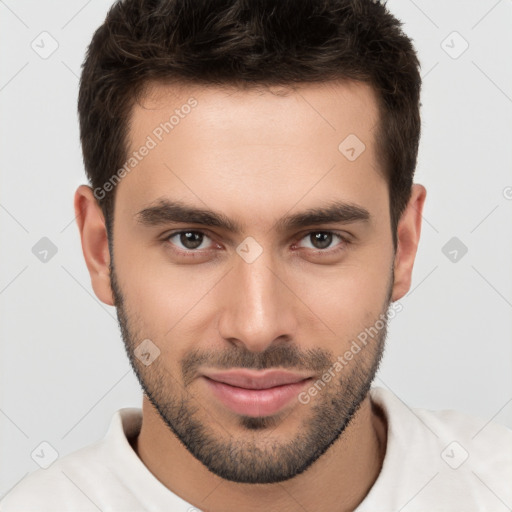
point(255, 393)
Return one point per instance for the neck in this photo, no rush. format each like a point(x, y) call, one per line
point(338, 481)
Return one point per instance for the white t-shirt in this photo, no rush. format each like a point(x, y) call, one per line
point(435, 461)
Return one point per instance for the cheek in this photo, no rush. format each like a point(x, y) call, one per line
point(349, 297)
point(167, 301)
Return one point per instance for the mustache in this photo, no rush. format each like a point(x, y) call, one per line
point(282, 356)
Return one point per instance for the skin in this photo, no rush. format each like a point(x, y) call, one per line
point(255, 157)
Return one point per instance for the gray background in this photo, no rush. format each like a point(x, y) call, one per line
point(63, 367)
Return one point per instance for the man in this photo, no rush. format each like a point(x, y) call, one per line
point(253, 218)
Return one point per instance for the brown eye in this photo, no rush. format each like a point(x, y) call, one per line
point(323, 240)
point(187, 240)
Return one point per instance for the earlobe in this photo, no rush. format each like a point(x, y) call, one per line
point(93, 235)
point(408, 236)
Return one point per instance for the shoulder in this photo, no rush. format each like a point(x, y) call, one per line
point(58, 485)
point(75, 481)
point(441, 460)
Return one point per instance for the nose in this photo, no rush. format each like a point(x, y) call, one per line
point(258, 307)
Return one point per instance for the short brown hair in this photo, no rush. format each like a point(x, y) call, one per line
point(246, 43)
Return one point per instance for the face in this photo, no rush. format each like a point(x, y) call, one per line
point(279, 257)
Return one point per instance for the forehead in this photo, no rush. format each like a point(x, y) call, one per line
point(253, 146)
point(338, 105)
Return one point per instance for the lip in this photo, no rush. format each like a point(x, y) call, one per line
point(256, 379)
point(255, 393)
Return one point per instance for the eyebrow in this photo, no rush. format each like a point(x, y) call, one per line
point(164, 211)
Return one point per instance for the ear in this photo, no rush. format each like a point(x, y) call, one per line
point(93, 233)
point(408, 237)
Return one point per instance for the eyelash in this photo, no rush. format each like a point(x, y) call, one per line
point(191, 253)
